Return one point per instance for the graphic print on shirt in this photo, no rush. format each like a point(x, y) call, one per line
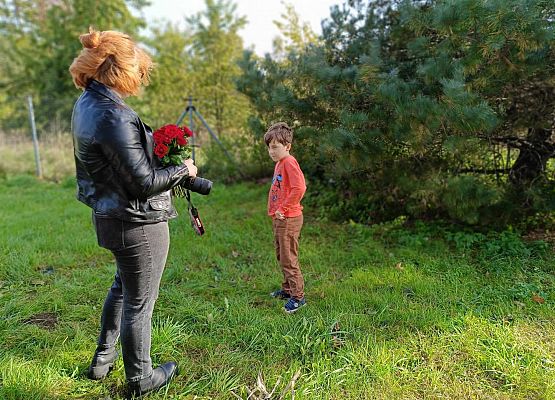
point(276, 186)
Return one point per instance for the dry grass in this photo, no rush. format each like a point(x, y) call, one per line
point(260, 391)
point(55, 152)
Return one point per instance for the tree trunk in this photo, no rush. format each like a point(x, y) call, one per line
point(532, 160)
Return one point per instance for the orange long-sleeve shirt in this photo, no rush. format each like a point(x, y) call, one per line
point(288, 188)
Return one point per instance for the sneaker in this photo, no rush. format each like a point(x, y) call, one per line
point(280, 294)
point(293, 305)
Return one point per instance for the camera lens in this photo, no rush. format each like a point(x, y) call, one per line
point(202, 186)
point(198, 185)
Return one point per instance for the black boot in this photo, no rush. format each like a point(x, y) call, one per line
point(160, 377)
point(102, 363)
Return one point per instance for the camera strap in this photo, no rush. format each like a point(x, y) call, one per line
point(196, 223)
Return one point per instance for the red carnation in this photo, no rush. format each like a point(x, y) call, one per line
point(187, 131)
point(173, 131)
point(161, 150)
point(181, 141)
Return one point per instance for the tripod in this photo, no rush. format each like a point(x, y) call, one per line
point(190, 109)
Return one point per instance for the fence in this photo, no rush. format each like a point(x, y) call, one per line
point(35, 139)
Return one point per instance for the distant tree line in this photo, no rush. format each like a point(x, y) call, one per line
point(40, 38)
point(427, 109)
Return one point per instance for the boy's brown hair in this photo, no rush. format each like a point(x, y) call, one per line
point(281, 132)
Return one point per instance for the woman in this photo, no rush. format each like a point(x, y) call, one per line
point(128, 190)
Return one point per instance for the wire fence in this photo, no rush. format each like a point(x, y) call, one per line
point(52, 114)
point(34, 137)
point(44, 148)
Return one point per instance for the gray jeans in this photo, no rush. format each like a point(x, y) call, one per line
point(141, 251)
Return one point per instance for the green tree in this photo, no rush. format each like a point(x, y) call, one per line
point(200, 60)
point(413, 107)
point(295, 35)
point(40, 40)
point(172, 78)
point(215, 49)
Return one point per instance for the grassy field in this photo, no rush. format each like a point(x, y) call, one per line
point(425, 312)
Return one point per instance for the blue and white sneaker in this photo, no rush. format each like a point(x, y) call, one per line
point(293, 305)
point(280, 294)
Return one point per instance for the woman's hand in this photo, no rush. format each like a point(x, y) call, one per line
point(279, 215)
point(191, 167)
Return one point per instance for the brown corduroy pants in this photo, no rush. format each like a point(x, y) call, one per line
point(286, 241)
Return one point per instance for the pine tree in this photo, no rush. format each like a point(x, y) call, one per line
point(413, 107)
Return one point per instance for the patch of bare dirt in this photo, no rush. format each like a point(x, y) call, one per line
point(44, 320)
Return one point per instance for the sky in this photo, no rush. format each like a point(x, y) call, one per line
point(260, 30)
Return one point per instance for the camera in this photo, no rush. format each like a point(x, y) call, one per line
point(197, 185)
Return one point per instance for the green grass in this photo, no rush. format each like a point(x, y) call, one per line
point(455, 319)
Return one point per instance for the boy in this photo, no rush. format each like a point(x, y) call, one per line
point(284, 206)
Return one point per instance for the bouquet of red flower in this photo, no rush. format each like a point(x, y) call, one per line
point(171, 144)
point(172, 148)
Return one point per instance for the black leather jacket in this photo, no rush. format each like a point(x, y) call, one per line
point(117, 174)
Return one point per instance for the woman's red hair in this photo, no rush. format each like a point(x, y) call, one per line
point(113, 59)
